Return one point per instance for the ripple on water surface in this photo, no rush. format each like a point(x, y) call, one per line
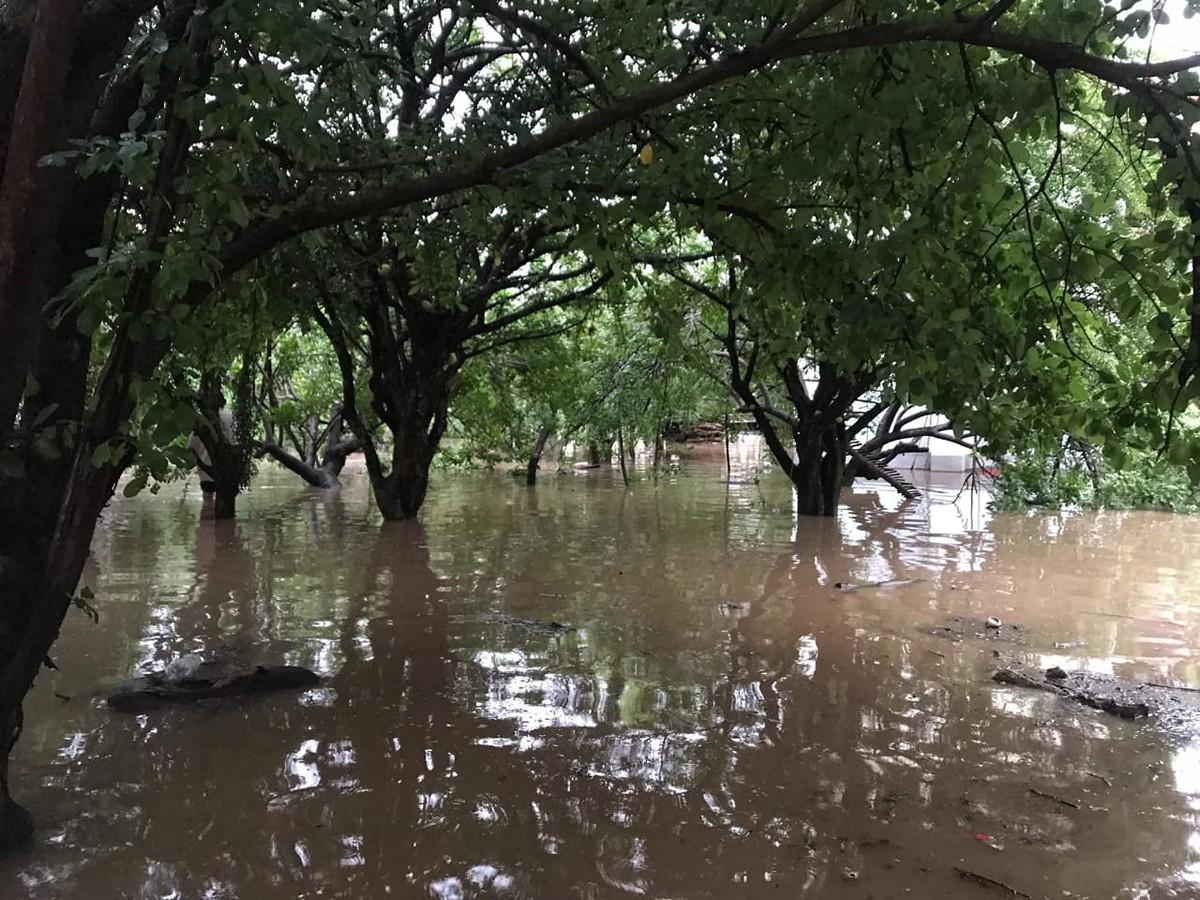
point(715, 719)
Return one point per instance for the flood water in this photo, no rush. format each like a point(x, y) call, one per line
point(722, 722)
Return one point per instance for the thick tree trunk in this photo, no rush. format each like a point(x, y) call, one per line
point(225, 501)
point(323, 476)
point(817, 473)
point(40, 566)
point(23, 225)
point(806, 481)
point(416, 417)
point(593, 454)
point(402, 493)
point(16, 824)
point(535, 457)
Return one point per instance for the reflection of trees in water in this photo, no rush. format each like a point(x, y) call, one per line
point(667, 734)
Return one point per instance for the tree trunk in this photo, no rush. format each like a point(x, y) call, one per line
point(833, 461)
point(402, 493)
point(725, 435)
point(416, 417)
point(621, 454)
point(225, 501)
point(817, 474)
point(16, 825)
point(593, 454)
point(535, 457)
point(35, 124)
point(323, 476)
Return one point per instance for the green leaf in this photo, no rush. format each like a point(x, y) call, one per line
point(135, 485)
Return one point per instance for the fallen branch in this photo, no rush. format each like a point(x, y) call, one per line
point(1051, 797)
point(1173, 687)
point(990, 882)
point(1112, 695)
point(1108, 615)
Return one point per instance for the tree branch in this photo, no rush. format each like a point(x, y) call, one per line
point(253, 242)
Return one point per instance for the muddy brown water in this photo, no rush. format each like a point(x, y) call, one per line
point(721, 722)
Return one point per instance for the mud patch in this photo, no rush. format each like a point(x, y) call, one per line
point(1177, 709)
point(957, 628)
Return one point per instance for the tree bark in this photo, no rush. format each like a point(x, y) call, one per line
point(48, 515)
point(225, 502)
point(34, 124)
point(535, 457)
point(400, 494)
point(621, 454)
point(816, 473)
point(33, 128)
point(16, 824)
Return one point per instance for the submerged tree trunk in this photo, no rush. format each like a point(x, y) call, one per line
point(44, 524)
point(621, 454)
point(222, 452)
point(725, 435)
point(816, 473)
point(325, 473)
point(16, 824)
point(401, 492)
point(535, 457)
point(225, 502)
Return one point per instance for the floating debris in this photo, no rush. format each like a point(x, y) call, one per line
point(956, 628)
point(1177, 710)
point(891, 583)
point(204, 681)
point(534, 626)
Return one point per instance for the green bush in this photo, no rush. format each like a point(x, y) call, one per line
point(1032, 480)
point(1142, 482)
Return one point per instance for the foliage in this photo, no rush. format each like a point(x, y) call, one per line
point(624, 369)
point(1055, 481)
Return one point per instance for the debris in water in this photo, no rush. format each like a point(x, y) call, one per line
point(1128, 699)
point(990, 883)
point(850, 874)
point(1056, 673)
point(1058, 800)
point(531, 625)
point(206, 681)
point(956, 628)
point(992, 622)
point(888, 583)
point(1172, 687)
point(182, 669)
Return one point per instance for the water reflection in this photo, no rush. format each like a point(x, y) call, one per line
point(719, 720)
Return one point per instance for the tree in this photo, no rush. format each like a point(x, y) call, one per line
point(153, 194)
point(420, 312)
point(302, 408)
